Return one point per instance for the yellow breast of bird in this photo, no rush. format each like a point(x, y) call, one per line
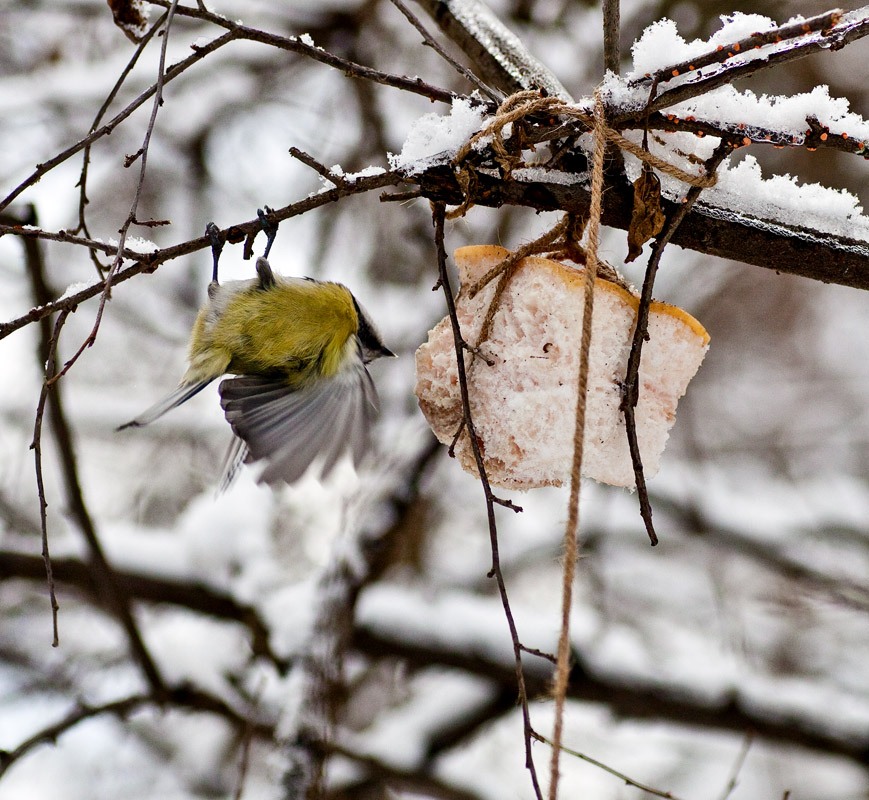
point(298, 328)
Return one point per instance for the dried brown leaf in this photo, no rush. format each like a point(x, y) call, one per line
point(648, 218)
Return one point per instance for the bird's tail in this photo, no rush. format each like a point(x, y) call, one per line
point(179, 396)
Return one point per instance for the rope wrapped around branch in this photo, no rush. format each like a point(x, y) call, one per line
point(526, 103)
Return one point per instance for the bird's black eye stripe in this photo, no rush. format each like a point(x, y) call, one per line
point(366, 333)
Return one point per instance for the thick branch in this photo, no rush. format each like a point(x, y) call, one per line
point(823, 257)
point(625, 697)
point(149, 588)
point(629, 699)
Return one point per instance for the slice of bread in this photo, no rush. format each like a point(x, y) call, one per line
point(524, 405)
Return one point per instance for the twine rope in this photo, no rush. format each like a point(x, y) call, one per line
point(571, 531)
point(525, 103)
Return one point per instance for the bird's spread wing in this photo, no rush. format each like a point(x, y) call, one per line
point(236, 455)
point(180, 395)
point(291, 429)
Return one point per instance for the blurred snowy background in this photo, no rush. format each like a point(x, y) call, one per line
point(746, 627)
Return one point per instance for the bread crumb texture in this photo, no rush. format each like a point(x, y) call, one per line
point(524, 403)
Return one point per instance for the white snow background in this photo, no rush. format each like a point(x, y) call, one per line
point(770, 450)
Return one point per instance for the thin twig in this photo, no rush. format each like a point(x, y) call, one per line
point(296, 45)
point(51, 399)
point(173, 72)
point(234, 32)
point(148, 262)
point(611, 31)
point(48, 336)
point(131, 217)
point(614, 772)
point(439, 216)
point(433, 43)
point(737, 766)
point(48, 350)
point(113, 93)
point(631, 385)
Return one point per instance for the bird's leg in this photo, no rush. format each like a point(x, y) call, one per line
point(269, 228)
point(264, 270)
point(213, 234)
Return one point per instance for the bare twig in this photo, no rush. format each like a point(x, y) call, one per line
point(48, 350)
point(131, 217)
point(439, 215)
point(51, 398)
point(631, 385)
point(737, 766)
point(148, 262)
point(321, 169)
point(294, 44)
point(431, 42)
point(614, 772)
point(611, 31)
point(82, 181)
point(173, 72)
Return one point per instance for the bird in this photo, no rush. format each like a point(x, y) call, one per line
point(297, 350)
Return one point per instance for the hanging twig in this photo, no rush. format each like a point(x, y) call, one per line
point(631, 385)
point(439, 216)
point(614, 772)
point(106, 580)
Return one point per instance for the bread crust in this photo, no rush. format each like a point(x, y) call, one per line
point(523, 403)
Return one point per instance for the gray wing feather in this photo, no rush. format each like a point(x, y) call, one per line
point(236, 455)
point(179, 396)
point(291, 429)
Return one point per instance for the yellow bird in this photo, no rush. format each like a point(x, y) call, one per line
point(299, 348)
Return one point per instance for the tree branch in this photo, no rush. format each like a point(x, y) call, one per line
point(625, 697)
point(111, 592)
point(819, 256)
